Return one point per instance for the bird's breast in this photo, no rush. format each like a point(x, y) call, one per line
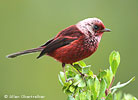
point(91, 43)
point(76, 51)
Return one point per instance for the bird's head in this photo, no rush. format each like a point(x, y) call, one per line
point(93, 26)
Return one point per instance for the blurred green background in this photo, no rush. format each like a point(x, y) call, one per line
point(26, 24)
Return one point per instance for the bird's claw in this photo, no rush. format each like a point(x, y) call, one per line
point(83, 76)
point(70, 79)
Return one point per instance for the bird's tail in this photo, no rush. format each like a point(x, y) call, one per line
point(25, 52)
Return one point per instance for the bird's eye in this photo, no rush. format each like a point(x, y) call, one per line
point(96, 27)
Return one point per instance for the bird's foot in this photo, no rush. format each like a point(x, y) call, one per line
point(70, 79)
point(83, 75)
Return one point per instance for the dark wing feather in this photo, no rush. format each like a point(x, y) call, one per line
point(71, 31)
point(59, 42)
point(49, 41)
point(63, 38)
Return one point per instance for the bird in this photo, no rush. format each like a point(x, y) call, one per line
point(73, 43)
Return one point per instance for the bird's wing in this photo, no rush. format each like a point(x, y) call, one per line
point(49, 41)
point(71, 31)
point(57, 43)
point(63, 38)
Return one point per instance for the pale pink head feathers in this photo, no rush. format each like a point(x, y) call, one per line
point(92, 25)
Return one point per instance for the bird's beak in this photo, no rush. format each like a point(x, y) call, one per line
point(106, 30)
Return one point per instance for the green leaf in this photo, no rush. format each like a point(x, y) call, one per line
point(68, 92)
point(85, 70)
point(68, 68)
point(118, 96)
point(77, 80)
point(114, 66)
point(88, 95)
point(109, 97)
point(108, 77)
point(66, 89)
point(77, 97)
point(82, 63)
point(90, 83)
point(71, 88)
point(82, 84)
point(114, 56)
point(61, 77)
point(129, 97)
point(70, 74)
point(103, 86)
point(90, 73)
point(76, 66)
point(70, 98)
point(83, 96)
point(114, 61)
point(102, 74)
point(95, 88)
point(76, 93)
point(124, 84)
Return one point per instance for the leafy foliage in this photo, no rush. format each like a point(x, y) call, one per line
point(91, 87)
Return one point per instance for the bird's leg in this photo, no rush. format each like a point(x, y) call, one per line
point(63, 66)
point(79, 71)
point(67, 80)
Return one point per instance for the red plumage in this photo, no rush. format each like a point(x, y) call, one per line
point(73, 52)
point(73, 43)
